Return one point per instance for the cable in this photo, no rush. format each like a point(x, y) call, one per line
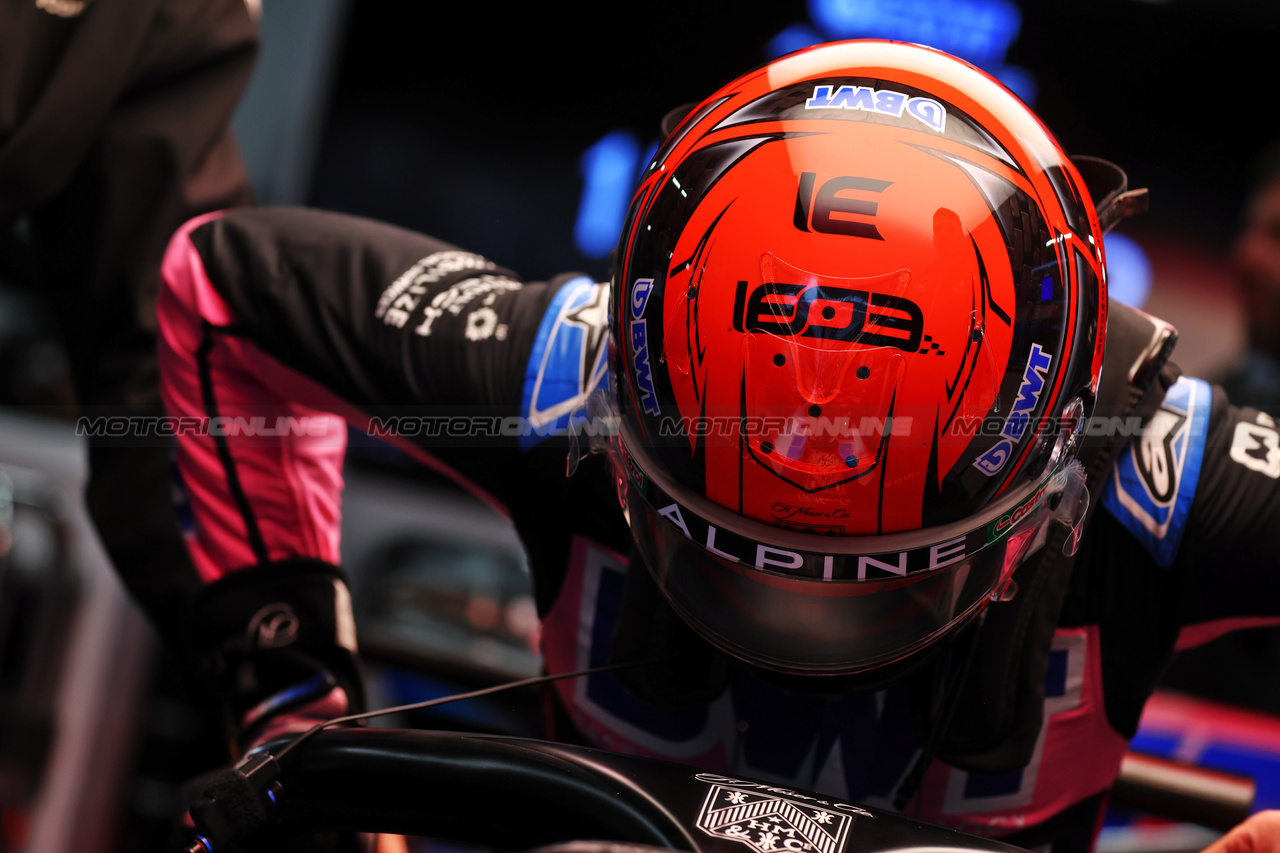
point(457, 697)
point(238, 801)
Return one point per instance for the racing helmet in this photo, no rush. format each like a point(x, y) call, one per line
point(857, 307)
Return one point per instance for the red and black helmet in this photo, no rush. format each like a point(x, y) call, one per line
point(856, 292)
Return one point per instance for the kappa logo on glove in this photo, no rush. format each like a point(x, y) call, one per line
point(273, 627)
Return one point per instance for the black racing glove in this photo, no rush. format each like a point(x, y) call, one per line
point(277, 647)
point(277, 644)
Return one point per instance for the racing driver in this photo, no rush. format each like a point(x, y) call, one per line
point(847, 460)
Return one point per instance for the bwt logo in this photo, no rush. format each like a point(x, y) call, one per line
point(927, 111)
point(640, 293)
point(1038, 363)
point(829, 311)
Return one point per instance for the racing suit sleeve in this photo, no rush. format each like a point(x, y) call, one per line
point(280, 322)
point(276, 326)
point(1182, 549)
point(1199, 489)
point(1229, 557)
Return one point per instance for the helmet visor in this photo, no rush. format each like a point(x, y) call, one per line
point(801, 604)
point(808, 613)
point(805, 625)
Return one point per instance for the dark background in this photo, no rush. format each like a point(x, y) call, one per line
point(470, 126)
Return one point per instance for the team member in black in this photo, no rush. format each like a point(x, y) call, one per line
point(114, 130)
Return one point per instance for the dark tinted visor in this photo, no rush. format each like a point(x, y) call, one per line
point(807, 625)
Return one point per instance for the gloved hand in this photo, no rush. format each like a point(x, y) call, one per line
point(292, 711)
point(225, 808)
point(276, 646)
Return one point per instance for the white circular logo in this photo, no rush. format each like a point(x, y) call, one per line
point(273, 627)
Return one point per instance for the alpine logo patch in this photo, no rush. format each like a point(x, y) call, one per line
point(774, 820)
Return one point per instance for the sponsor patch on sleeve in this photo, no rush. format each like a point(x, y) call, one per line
point(568, 360)
point(1152, 485)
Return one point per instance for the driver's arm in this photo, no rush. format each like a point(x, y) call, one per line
point(1228, 562)
point(276, 327)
